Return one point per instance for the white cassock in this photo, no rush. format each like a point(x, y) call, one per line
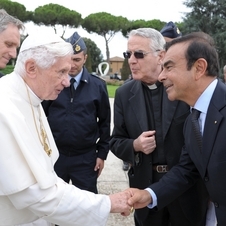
point(38, 222)
point(29, 188)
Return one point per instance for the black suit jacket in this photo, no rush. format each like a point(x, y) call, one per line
point(210, 163)
point(130, 120)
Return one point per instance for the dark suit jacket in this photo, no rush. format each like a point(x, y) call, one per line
point(130, 120)
point(210, 163)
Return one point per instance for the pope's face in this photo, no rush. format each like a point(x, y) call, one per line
point(9, 42)
point(50, 82)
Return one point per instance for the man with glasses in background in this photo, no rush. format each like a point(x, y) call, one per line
point(148, 132)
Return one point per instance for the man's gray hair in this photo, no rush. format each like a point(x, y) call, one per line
point(157, 41)
point(6, 19)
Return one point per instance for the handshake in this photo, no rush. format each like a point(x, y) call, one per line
point(126, 201)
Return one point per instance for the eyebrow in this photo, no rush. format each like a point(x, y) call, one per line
point(167, 63)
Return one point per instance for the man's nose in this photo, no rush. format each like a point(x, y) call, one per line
point(162, 76)
point(66, 82)
point(13, 52)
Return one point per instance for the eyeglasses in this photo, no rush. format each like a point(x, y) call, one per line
point(137, 54)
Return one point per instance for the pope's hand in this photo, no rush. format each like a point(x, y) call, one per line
point(119, 203)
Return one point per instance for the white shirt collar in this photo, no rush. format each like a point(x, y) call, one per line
point(203, 101)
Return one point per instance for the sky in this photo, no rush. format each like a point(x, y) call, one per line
point(164, 10)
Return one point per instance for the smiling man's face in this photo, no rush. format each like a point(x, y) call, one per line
point(175, 76)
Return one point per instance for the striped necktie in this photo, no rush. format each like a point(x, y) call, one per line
point(196, 127)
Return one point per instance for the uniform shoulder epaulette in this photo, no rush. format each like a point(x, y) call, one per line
point(99, 77)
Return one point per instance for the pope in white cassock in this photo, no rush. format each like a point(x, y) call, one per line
point(30, 191)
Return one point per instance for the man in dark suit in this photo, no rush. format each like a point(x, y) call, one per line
point(190, 74)
point(148, 132)
point(169, 32)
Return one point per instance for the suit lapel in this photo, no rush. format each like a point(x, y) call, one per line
point(213, 121)
point(137, 104)
point(168, 110)
point(212, 124)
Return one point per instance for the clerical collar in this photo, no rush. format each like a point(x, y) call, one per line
point(154, 86)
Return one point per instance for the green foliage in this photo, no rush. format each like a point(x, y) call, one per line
point(156, 24)
point(88, 63)
point(180, 26)
point(209, 17)
point(15, 9)
point(111, 90)
point(94, 54)
point(125, 70)
point(53, 14)
point(135, 24)
point(7, 70)
point(104, 24)
point(114, 82)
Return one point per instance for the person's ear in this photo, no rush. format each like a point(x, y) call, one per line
point(31, 68)
point(85, 58)
point(200, 68)
point(161, 55)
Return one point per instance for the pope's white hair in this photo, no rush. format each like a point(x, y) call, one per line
point(44, 56)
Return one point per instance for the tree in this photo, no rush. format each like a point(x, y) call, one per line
point(135, 24)
point(16, 9)
point(125, 70)
point(208, 16)
point(53, 15)
point(88, 63)
point(94, 53)
point(104, 24)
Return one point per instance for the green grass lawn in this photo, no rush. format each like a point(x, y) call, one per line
point(7, 70)
point(111, 90)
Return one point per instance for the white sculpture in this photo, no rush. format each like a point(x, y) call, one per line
point(106, 69)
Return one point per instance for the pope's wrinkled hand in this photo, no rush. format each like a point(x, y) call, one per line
point(139, 198)
point(119, 203)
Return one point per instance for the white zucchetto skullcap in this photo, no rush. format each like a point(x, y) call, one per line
point(33, 41)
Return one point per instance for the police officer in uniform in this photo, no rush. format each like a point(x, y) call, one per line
point(170, 31)
point(80, 122)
